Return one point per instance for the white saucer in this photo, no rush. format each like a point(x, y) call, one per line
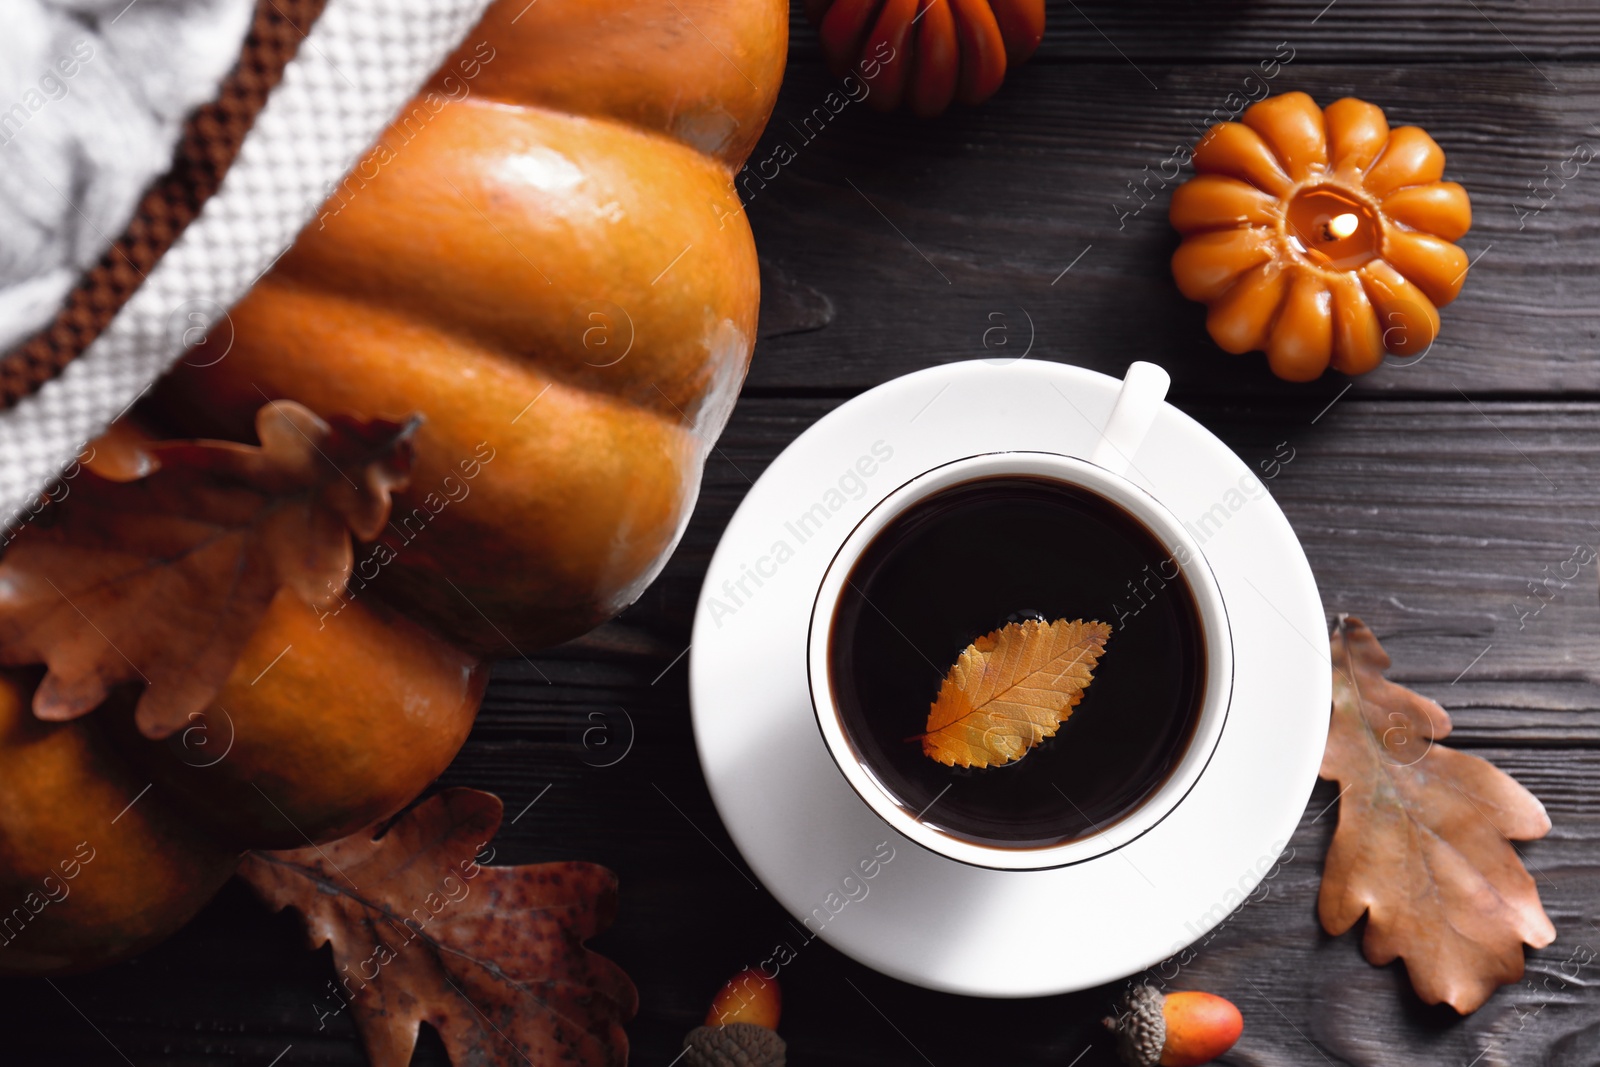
point(919, 916)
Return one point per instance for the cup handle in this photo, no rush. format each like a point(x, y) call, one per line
point(1144, 388)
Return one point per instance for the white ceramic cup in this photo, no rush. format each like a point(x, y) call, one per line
point(1144, 389)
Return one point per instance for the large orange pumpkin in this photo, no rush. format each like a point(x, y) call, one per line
point(546, 257)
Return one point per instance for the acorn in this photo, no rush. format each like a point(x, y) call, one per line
point(741, 1027)
point(733, 1045)
point(1173, 1030)
point(747, 997)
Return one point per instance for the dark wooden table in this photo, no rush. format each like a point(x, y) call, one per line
point(1434, 500)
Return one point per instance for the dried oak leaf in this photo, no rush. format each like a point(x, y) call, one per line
point(1423, 842)
point(1011, 689)
point(125, 451)
point(160, 570)
point(491, 957)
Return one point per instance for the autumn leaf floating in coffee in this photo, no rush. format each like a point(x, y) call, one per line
point(1010, 690)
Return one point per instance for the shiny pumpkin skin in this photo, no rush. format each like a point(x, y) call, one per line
point(554, 268)
point(94, 867)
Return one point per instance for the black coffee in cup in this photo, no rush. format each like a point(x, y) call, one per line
point(965, 562)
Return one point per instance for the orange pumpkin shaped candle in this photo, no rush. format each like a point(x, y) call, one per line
point(1319, 235)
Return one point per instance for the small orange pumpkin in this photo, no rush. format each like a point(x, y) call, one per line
point(329, 721)
point(92, 869)
point(1320, 236)
point(927, 52)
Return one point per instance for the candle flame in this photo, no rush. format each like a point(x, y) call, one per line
point(1342, 226)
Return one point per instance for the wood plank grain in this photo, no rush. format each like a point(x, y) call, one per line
point(235, 983)
point(1345, 31)
point(1041, 219)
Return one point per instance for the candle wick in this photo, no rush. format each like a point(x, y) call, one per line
point(1341, 226)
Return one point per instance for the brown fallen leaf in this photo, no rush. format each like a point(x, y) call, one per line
point(126, 451)
point(1423, 842)
point(491, 957)
point(1011, 689)
point(157, 567)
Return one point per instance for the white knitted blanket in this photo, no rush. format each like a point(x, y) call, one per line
point(84, 145)
point(92, 98)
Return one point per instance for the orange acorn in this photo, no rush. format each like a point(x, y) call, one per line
point(1173, 1030)
point(748, 997)
point(741, 1027)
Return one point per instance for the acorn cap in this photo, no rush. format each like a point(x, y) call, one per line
point(1140, 1027)
point(736, 1045)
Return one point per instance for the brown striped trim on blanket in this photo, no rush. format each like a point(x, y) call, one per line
point(211, 139)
